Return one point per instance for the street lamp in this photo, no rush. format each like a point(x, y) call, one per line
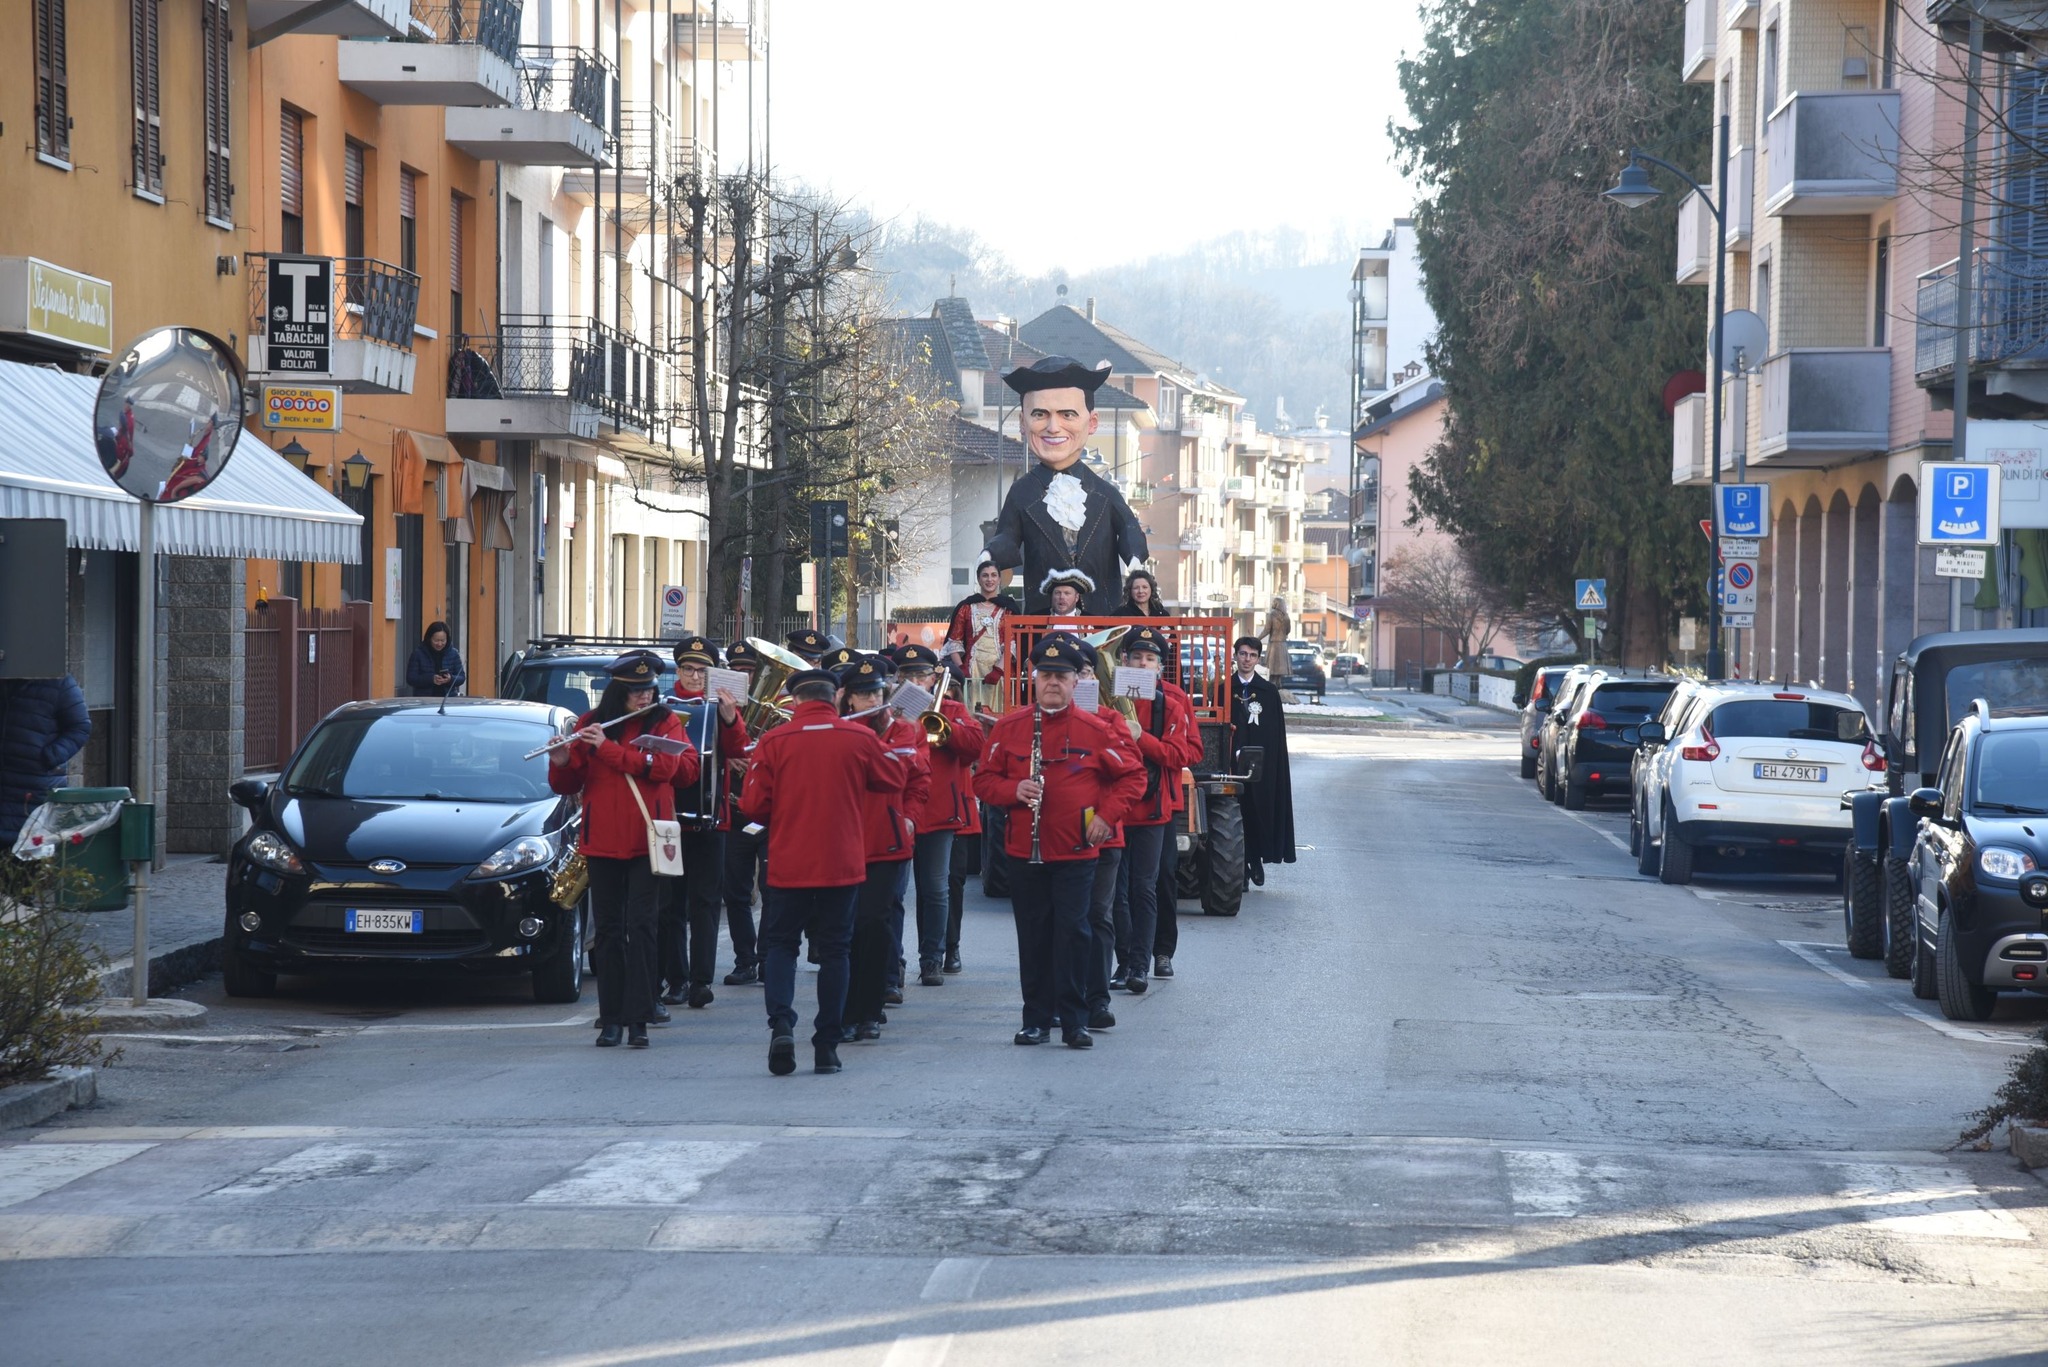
point(1633, 191)
point(297, 455)
point(355, 473)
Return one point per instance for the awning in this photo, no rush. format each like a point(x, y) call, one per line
point(260, 508)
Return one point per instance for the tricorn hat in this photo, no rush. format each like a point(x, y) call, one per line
point(1057, 372)
point(1074, 578)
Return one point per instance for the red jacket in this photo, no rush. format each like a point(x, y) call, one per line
point(1084, 763)
point(951, 806)
point(1177, 746)
point(887, 818)
point(732, 744)
point(808, 778)
point(1114, 719)
point(612, 825)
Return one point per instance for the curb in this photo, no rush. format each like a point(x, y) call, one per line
point(31, 1103)
point(169, 968)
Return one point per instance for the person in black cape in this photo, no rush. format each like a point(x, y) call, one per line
point(1256, 719)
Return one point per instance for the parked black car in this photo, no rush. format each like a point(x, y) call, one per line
point(1595, 742)
point(1980, 866)
point(1543, 690)
point(568, 671)
point(1549, 736)
point(407, 831)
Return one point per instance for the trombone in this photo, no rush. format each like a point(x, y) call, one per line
point(937, 730)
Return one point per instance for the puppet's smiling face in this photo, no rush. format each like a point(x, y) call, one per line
point(1057, 422)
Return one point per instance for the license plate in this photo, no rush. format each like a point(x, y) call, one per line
point(1803, 773)
point(385, 922)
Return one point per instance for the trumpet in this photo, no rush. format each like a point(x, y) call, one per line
point(937, 730)
point(559, 741)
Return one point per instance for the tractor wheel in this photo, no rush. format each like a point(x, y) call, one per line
point(1223, 859)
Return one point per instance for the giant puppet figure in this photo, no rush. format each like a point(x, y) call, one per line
point(1062, 516)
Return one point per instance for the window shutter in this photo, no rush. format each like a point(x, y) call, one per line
point(2009, 300)
point(145, 61)
point(220, 188)
point(455, 271)
point(408, 194)
point(53, 93)
point(352, 174)
point(291, 160)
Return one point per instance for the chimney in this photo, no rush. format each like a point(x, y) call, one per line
point(1090, 310)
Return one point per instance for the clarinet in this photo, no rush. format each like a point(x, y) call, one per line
point(1037, 767)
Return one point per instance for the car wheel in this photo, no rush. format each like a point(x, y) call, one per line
point(1897, 901)
point(558, 976)
point(1543, 775)
point(241, 975)
point(1528, 762)
point(1924, 985)
point(1674, 863)
point(1557, 782)
point(1646, 852)
point(1862, 912)
point(1961, 999)
point(1574, 796)
point(1635, 829)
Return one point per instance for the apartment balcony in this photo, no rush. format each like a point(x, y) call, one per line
point(270, 19)
point(717, 33)
point(559, 115)
point(461, 53)
point(536, 380)
point(367, 315)
point(1832, 152)
point(1314, 553)
point(2008, 24)
point(2008, 334)
point(1238, 486)
point(1138, 494)
point(1288, 550)
point(1248, 545)
point(1740, 13)
point(1696, 235)
point(1825, 405)
point(643, 171)
point(1701, 26)
point(1689, 442)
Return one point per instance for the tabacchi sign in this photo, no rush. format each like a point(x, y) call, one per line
point(45, 300)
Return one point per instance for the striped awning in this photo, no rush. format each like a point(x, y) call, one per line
point(259, 508)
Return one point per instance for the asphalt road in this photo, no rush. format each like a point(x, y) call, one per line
point(1457, 1087)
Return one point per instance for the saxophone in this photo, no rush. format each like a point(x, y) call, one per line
point(1037, 772)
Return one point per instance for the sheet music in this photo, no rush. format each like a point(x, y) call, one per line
point(910, 700)
point(1136, 683)
point(661, 745)
point(1088, 694)
point(718, 680)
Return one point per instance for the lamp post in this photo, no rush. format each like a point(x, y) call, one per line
point(1633, 191)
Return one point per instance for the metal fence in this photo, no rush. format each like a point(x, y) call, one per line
point(489, 24)
point(372, 299)
point(2009, 320)
point(569, 78)
point(531, 355)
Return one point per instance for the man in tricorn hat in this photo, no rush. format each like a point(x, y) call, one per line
point(1062, 515)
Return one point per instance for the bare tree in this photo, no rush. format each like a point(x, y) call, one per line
point(1434, 585)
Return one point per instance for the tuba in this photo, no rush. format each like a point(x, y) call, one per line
point(1104, 642)
point(937, 730)
point(762, 712)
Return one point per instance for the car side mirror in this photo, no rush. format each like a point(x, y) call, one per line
point(1925, 802)
point(1253, 758)
point(249, 793)
point(1652, 733)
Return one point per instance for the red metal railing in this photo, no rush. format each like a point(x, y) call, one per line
point(1200, 662)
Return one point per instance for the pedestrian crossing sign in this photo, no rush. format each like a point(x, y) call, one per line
point(1592, 595)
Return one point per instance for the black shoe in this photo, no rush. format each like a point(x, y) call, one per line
point(1103, 1019)
point(868, 1030)
point(894, 996)
point(1135, 985)
point(1078, 1039)
point(660, 1016)
point(608, 1036)
point(825, 1058)
point(882, 1017)
point(673, 997)
point(1031, 1034)
point(741, 976)
point(1120, 977)
point(929, 976)
point(636, 1037)
point(1162, 966)
point(700, 996)
point(848, 1033)
point(952, 961)
point(782, 1055)
point(1258, 874)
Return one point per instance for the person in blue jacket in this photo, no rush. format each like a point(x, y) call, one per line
point(43, 723)
point(435, 669)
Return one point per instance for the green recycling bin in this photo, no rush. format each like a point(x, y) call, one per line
point(92, 867)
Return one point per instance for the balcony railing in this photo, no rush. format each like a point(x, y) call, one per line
point(568, 79)
point(458, 53)
point(490, 24)
point(532, 356)
point(2009, 320)
point(372, 300)
point(1833, 152)
point(642, 162)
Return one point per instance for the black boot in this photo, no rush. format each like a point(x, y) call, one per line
point(608, 1036)
point(825, 1058)
point(952, 961)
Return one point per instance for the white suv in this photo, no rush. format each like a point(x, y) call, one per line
point(1753, 769)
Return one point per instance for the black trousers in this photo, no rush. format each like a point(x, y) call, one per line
point(746, 861)
point(874, 942)
point(623, 900)
point(1051, 904)
point(1166, 933)
point(965, 860)
point(1102, 925)
point(689, 912)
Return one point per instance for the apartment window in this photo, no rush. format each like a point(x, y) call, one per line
point(457, 259)
point(1768, 79)
point(515, 255)
point(215, 40)
point(1881, 293)
point(145, 69)
point(53, 84)
point(291, 178)
point(1763, 301)
point(352, 176)
point(1889, 68)
point(409, 220)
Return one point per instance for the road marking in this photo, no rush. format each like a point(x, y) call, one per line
point(1925, 1203)
point(1804, 949)
point(642, 1173)
point(318, 1163)
point(1543, 1184)
point(1609, 836)
point(28, 1171)
point(954, 1279)
point(920, 1350)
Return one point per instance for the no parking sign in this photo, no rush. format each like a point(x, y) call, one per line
point(675, 602)
point(1738, 592)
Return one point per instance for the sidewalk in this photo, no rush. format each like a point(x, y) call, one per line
point(186, 904)
point(1429, 707)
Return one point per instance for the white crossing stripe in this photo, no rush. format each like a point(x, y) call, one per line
point(954, 1279)
point(31, 1170)
point(1925, 1203)
point(1543, 1183)
point(320, 1162)
point(643, 1173)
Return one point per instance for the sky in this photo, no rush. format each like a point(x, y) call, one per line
point(1079, 134)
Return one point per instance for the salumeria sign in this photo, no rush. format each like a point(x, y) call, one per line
point(45, 300)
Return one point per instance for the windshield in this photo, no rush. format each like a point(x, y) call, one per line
point(1779, 719)
point(2008, 685)
point(423, 755)
point(1642, 701)
point(574, 684)
point(2011, 773)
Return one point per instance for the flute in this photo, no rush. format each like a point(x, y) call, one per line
point(559, 741)
point(1037, 766)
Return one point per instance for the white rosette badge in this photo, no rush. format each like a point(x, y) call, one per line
point(1066, 499)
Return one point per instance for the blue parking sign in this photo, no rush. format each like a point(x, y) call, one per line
point(1744, 510)
point(1958, 504)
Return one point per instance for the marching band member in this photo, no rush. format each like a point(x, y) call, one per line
point(890, 836)
point(1167, 740)
point(1067, 780)
point(607, 768)
point(689, 912)
point(948, 813)
point(745, 852)
point(810, 644)
point(1103, 939)
point(806, 776)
